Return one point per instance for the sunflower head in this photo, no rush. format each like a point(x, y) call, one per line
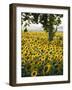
point(34, 73)
point(48, 67)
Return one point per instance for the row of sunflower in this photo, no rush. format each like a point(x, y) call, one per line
point(39, 56)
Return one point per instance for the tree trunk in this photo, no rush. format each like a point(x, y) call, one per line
point(50, 34)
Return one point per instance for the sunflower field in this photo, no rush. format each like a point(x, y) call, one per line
point(39, 56)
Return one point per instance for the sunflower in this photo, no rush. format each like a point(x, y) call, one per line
point(47, 67)
point(59, 66)
point(50, 57)
point(39, 63)
point(34, 73)
point(60, 57)
point(42, 58)
point(38, 52)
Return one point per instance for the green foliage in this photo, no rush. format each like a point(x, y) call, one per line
point(25, 30)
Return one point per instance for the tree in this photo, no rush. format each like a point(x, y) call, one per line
point(47, 20)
